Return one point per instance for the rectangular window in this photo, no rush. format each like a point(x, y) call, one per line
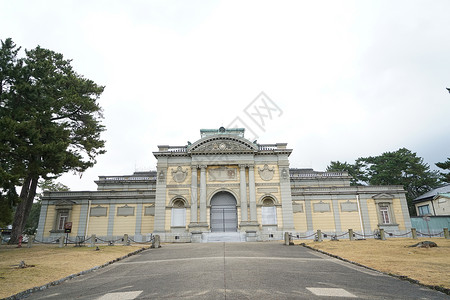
point(269, 215)
point(63, 217)
point(384, 211)
point(178, 217)
point(424, 209)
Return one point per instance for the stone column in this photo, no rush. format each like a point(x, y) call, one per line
point(252, 193)
point(202, 194)
point(194, 218)
point(243, 188)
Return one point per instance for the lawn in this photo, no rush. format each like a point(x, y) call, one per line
point(50, 263)
point(430, 266)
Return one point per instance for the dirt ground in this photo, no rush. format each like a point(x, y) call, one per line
point(430, 266)
point(49, 263)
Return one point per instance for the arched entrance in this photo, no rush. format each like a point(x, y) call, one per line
point(223, 213)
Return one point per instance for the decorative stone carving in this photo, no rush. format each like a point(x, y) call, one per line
point(222, 174)
point(297, 207)
point(267, 190)
point(178, 192)
point(125, 211)
point(321, 207)
point(149, 210)
point(349, 206)
point(98, 211)
point(161, 175)
point(179, 175)
point(266, 173)
point(284, 173)
point(222, 145)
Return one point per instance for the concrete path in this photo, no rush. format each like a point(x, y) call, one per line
point(234, 271)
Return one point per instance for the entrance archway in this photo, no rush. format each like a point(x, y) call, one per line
point(223, 213)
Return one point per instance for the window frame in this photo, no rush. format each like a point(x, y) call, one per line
point(420, 208)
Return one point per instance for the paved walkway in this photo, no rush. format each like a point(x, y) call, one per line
point(234, 271)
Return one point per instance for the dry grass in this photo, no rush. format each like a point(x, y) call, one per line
point(50, 263)
point(429, 266)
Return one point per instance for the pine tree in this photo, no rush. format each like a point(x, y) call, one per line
point(50, 120)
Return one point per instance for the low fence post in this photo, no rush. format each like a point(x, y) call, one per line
point(93, 237)
point(446, 235)
point(125, 240)
point(350, 235)
point(319, 235)
point(414, 233)
point(382, 234)
point(61, 241)
point(156, 242)
point(30, 241)
point(286, 238)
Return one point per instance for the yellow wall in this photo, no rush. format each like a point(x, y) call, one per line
point(98, 225)
point(75, 219)
point(50, 220)
point(323, 220)
point(300, 221)
point(147, 222)
point(397, 210)
point(124, 225)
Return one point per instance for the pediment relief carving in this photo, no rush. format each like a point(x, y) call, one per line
point(223, 145)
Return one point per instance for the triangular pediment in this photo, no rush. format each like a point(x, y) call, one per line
point(64, 202)
point(223, 144)
point(383, 196)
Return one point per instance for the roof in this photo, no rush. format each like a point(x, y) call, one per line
point(446, 195)
point(429, 195)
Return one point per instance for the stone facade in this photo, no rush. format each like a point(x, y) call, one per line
point(224, 185)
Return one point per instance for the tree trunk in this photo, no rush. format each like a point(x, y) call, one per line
point(27, 194)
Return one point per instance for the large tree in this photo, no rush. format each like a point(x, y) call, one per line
point(445, 176)
point(47, 185)
point(50, 121)
point(401, 167)
point(354, 170)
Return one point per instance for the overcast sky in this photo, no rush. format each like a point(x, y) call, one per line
point(344, 79)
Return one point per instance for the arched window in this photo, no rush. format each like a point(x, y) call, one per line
point(269, 212)
point(178, 213)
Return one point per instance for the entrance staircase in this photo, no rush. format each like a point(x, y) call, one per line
point(211, 237)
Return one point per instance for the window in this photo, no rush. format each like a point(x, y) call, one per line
point(63, 217)
point(269, 212)
point(178, 214)
point(424, 210)
point(384, 211)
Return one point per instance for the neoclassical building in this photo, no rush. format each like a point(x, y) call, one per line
point(223, 187)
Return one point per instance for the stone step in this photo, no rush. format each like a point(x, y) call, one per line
point(211, 237)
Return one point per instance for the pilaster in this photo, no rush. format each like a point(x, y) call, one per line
point(252, 192)
point(160, 200)
point(194, 205)
point(243, 190)
point(82, 221)
point(203, 194)
point(286, 198)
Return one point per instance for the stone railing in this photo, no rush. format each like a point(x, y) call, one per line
point(127, 178)
point(324, 174)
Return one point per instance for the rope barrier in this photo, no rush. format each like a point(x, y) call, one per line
point(42, 242)
point(146, 242)
point(392, 234)
point(112, 241)
point(365, 235)
point(303, 237)
point(430, 234)
point(341, 235)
